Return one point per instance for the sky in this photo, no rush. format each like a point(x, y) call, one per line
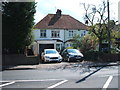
point(70, 7)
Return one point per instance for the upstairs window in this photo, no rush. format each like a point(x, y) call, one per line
point(84, 33)
point(42, 33)
point(71, 33)
point(55, 34)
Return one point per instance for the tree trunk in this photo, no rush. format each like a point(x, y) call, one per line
point(100, 45)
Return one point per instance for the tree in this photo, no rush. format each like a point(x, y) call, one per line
point(115, 36)
point(76, 43)
point(96, 18)
point(87, 43)
point(17, 23)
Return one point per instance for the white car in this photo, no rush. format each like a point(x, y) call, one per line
point(50, 55)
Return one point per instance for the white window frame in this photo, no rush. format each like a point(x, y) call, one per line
point(71, 33)
point(55, 34)
point(43, 33)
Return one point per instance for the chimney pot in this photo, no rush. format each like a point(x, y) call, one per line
point(58, 12)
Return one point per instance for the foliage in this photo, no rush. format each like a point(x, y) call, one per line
point(96, 56)
point(86, 43)
point(17, 20)
point(115, 35)
point(76, 41)
point(95, 16)
point(69, 48)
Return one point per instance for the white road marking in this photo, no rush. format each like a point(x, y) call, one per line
point(37, 80)
point(57, 84)
point(53, 86)
point(108, 82)
point(5, 81)
point(32, 80)
point(7, 84)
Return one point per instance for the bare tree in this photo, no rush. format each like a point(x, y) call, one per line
point(96, 18)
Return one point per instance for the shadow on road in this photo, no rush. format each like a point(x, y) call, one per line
point(53, 62)
point(84, 78)
point(19, 69)
point(16, 68)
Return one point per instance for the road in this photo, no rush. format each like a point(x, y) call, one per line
point(56, 77)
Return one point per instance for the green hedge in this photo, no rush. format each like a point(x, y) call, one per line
point(100, 56)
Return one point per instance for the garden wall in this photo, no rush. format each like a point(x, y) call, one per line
point(19, 59)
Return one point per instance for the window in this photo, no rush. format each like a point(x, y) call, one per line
point(55, 34)
point(51, 52)
point(42, 33)
point(71, 33)
point(84, 33)
point(70, 45)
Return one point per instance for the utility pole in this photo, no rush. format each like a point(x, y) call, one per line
point(109, 32)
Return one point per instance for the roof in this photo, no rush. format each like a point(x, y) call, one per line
point(52, 21)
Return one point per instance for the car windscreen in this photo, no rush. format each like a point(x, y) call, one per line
point(51, 52)
point(73, 51)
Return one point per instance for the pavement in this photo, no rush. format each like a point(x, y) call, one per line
point(62, 65)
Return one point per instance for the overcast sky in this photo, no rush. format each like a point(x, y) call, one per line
point(71, 7)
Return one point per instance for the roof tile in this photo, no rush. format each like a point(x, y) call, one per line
point(52, 21)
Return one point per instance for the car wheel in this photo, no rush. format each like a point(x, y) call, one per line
point(43, 60)
point(59, 61)
point(63, 59)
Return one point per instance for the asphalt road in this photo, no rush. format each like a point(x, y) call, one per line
point(70, 77)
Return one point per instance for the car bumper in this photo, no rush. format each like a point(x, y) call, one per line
point(52, 60)
point(75, 58)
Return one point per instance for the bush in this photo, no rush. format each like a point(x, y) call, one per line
point(100, 56)
point(93, 55)
point(86, 43)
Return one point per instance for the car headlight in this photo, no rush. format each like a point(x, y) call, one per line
point(60, 57)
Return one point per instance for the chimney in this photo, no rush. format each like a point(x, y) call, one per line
point(58, 13)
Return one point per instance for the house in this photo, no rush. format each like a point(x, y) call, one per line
point(57, 31)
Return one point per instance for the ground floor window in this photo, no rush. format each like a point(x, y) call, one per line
point(68, 44)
